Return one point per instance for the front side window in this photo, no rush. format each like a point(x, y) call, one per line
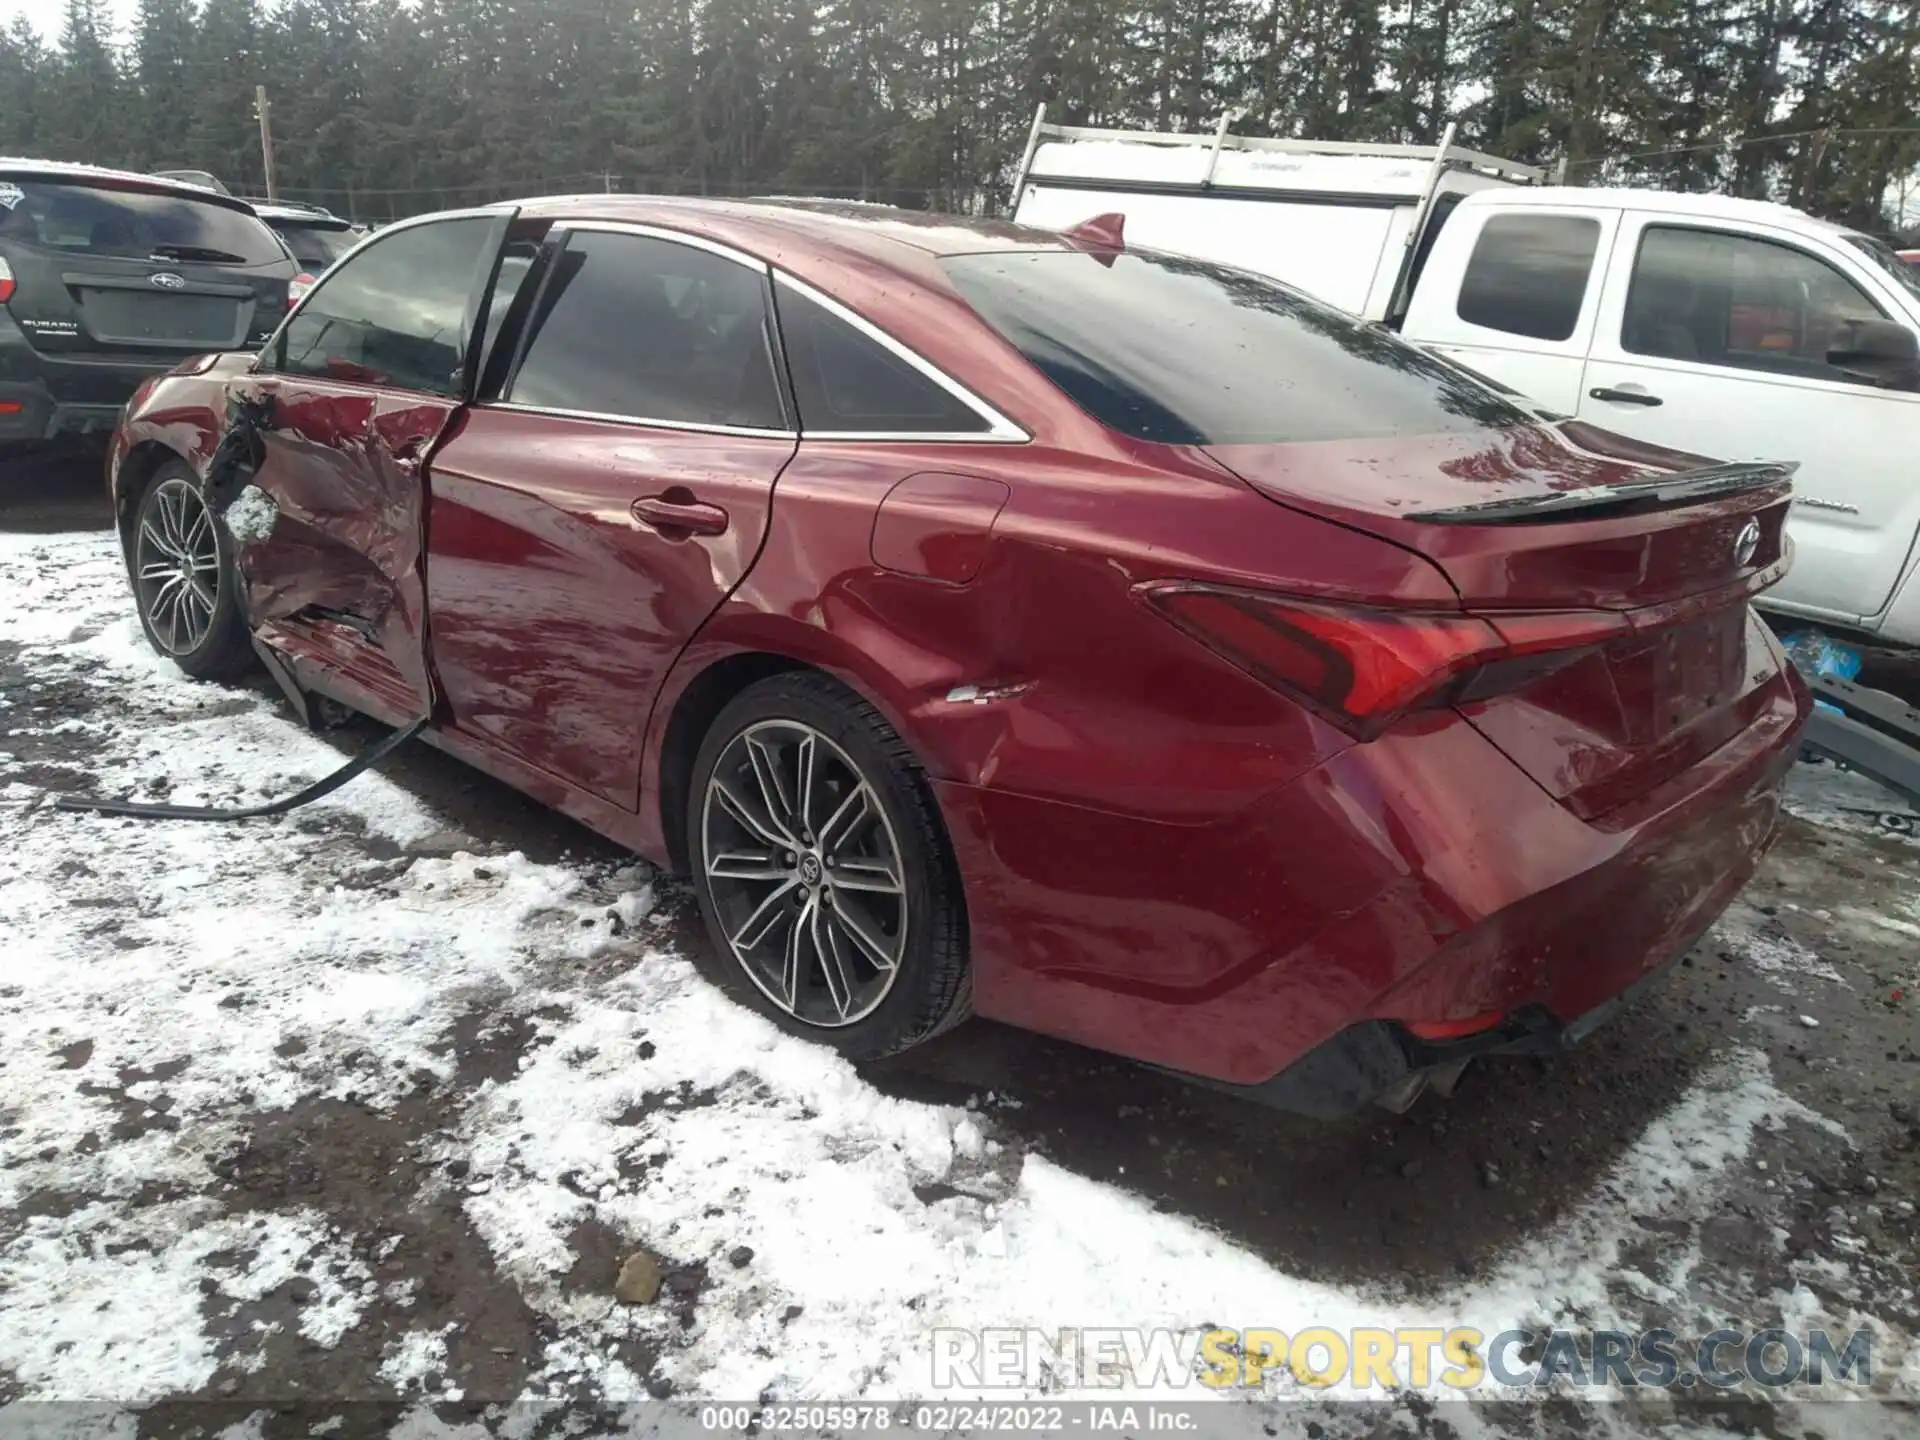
point(1186, 352)
point(394, 315)
point(649, 329)
point(1528, 274)
point(1732, 300)
point(1905, 273)
point(132, 225)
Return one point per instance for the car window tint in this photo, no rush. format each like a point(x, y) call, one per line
point(1731, 300)
point(844, 380)
point(1186, 352)
point(650, 329)
point(394, 314)
point(1528, 274)
point(315, 248)
point(1905, 273)
point(132, 225)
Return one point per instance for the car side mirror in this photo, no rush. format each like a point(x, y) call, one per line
point(1880, 352)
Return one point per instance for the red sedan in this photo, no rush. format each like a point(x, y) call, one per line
point(996, 622)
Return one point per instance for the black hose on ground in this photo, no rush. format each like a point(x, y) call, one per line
point(140, 810)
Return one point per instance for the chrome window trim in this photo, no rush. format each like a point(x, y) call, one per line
point(658, 232)
point(1000, 431)
point(932, 437)
point(691, 426)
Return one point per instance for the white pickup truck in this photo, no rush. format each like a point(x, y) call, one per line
point(1729, 328)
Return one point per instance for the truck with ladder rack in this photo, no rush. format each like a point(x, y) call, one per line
point(1722, 327)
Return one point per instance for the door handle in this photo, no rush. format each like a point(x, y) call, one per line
point(1624, 397)
point(675, 510)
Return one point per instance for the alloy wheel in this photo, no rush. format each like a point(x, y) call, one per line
point(803, 869)
point(177, 566)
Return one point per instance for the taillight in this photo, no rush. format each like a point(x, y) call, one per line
point(1363, 668)
point(6, 281)
point(298, 286)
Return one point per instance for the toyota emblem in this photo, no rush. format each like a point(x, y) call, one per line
point(1745, 544)
point(167, 280)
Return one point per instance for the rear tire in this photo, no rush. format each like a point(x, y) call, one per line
point(185, 586)
point(823, 871)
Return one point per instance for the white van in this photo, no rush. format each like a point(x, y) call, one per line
point(1729, 328)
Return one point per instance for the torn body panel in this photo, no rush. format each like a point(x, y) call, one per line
point(342, 464)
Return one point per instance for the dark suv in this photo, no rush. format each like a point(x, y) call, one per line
point(107, 278)
point(316, 237)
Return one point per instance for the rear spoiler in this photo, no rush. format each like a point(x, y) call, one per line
point(1667, 489)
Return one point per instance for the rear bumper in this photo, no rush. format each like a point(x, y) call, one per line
point(45, 395)
point(1419, 878)
point(29, 412)
point(1377, 1058)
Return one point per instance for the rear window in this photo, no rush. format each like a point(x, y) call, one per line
point(128, 224)
point(1185, 352)
point(315, 248)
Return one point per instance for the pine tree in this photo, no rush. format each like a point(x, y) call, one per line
point(387, 109)
point(80, 118)
point(24, 64)
point(163, 41)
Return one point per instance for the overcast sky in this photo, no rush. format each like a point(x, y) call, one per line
point(47, 14)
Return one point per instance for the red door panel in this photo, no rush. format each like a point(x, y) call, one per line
point(569, 561)
point(342, 467)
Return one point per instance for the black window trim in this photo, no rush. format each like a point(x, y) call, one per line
point(500, 360)
point(1000, 430)
point(1651, 220)
point(504, 213)
point(556, 239)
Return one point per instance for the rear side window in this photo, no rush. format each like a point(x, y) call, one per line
point(316, 248)
point(845, 381)
point(1528, 274)
point(648, 329)
point(131, 225)
point(1186, 352)
point(394, 314)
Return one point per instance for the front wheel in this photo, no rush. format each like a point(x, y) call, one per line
point(184, 582)
point(823, 871)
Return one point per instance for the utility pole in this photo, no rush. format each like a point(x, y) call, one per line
point(265, 111)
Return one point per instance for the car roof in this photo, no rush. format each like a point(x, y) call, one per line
point(66, 172)
point(1674, 202)
point(299, 214)
point(780, 225)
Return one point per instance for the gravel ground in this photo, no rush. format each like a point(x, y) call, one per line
point(371, 1105)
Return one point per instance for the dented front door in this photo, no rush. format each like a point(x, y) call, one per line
point(354, 392)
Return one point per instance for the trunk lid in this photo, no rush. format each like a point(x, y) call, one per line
point(1528, 555)
point(1539, 519)
point(158, 309)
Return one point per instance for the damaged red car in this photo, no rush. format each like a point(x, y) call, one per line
point(998, 622)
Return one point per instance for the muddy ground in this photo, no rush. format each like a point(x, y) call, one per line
point(1424, 1200)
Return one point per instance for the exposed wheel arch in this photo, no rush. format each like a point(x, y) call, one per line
point(136, 473)
point(693, 715)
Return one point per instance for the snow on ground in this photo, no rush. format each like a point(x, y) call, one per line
point(169, 988)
